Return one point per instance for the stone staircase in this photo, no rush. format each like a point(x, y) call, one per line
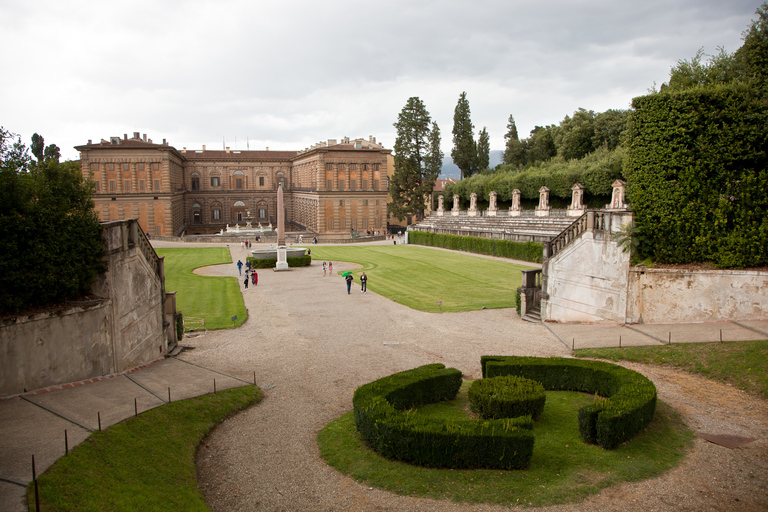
point(533, 315)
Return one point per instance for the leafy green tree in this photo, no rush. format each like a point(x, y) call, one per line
point(417, 160)
point(483, 150)
point(577, 135)
point(51, 235)
point(753, 54)
point(464, 152)
point(514, 150)
point(609, 127)
point(540, 145)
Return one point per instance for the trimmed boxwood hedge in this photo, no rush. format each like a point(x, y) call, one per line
point(299, 261)
point(627, 410)
point(523, 251)
point(507, 396)
point(388, 424)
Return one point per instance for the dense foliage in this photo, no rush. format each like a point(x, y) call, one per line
point(417, 160)
point(523, 251)
point(698, 176)
point(631, 401)
point(51, 238)
point(387, 423)
point(296, 261)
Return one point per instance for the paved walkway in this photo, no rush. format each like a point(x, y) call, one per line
point(315, 343)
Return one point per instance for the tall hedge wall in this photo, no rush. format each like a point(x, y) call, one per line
point(697, 177)
point(524, 251)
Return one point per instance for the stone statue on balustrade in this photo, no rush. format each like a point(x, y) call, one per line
point(577, 208)
point(618, 201)
point(440, 205)
point(515, 210)
point(455, 210)
point(543, 209)
point(472, 205)
point(492, 208)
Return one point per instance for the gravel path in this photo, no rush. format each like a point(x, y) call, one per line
point(315, 344)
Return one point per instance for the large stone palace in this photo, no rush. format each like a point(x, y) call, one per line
point(333, 188)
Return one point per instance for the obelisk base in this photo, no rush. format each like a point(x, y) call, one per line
point(282, 259)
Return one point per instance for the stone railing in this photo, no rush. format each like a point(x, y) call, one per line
point(593, 220)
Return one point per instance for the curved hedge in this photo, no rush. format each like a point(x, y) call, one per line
point(388, 427)
point(297, 261)
point(628, 409)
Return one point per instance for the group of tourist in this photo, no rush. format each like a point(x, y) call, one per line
point(363, 282)
point(250, 273)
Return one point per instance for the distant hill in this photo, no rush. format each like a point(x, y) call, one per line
point(451, 170)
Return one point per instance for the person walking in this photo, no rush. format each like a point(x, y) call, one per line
point(330, 269)
point(363, 283)
point(240, 267)
point(324, 268)
point(349, 279)
point(254, 277)
point(246, 281)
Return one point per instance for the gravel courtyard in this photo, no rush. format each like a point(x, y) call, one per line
point(315, 344)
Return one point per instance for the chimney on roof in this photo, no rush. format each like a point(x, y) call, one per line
point(227, 149)
point(145, 137)
point(125, 136)
point(164, 143)
point(203, 147)
point(184, 149)
point(90, 141)
point(267, 148)
point(135, 135)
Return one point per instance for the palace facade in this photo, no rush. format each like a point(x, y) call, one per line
point(332, 188)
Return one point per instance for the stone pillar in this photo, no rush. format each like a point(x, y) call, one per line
point(577, 209)
point(618, 196)
point(515, 210)
point(440, 205)
point(472, 205)
point(543, 209)
point(455, 209)
point(492, 208)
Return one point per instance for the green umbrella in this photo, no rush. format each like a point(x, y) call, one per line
point(345, 274)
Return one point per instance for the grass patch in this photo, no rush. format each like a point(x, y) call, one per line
point(216, 299)
point(563, 469)
point(143, 463)
point(419, 277)
point(743, 364)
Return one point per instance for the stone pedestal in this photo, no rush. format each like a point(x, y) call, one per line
point(282, 259)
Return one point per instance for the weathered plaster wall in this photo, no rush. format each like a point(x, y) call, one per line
point(586, 281)
point(663, 295)
point(124, 330)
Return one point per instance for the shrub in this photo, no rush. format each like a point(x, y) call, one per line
point(507, 396)
point(299, 261)
point(386, 424)
point(631, 397)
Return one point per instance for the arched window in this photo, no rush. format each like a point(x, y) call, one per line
point(197, 215)
point(238, 211)
point(216, 213)
point(238, 178)
point(195, 181)
point(281, 180)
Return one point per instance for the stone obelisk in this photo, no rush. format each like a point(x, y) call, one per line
point(282, 261)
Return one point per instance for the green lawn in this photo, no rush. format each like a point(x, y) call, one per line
point(563, 468)
point(419, 277)
point(744, 364)
point(216, 299)
point(144, 463)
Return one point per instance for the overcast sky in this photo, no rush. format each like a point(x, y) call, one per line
point(286, 74)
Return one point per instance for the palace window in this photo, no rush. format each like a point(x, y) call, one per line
point(126, 185)
point(112, 186)
point(139, 167)
point(364, 167)
point(341, 202)
point(330, 223)
point(155, 185)
point(352, 167)
point(341, 184)
point(262, 213)
point(328, 184)
point(110, 167)
point(126, 167)
point(375, 184)
point(215, 181)
point(216, 214)
point(365, 184)
point(197, 217)
point(365, 202)
point(340, 167)
point(328, 167)
point(94, 167)
point(375, 167)
point(261, 181)
point(352, 184)
point(155, 166)
point(195, 181)
point(142, 185)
